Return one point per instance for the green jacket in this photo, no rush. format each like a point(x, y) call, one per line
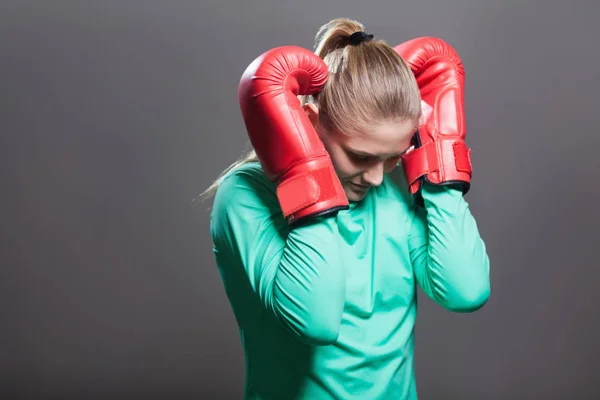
point(327, 310)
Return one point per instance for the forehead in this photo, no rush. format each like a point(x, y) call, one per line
point(389, 137)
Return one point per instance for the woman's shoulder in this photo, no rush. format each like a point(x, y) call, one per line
point(249, 175)
point(246, 184)
point(244, 200)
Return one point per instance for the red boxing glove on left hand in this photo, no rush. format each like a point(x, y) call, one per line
point(440, 155)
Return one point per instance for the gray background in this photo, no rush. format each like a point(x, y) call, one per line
point(116, 114)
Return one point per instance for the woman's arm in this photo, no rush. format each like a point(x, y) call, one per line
point(448, 255)
point(296, 272)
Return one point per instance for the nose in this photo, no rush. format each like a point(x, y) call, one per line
point(374, 175)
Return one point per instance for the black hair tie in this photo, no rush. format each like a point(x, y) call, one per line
point(359, 37)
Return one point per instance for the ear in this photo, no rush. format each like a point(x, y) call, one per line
point(312, 112)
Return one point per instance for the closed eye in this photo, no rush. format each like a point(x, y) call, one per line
point(361, 157)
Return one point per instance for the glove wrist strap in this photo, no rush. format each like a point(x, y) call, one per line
point(306, 191)
point(440, 161)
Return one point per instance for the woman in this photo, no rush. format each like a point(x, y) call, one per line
point(322, 233)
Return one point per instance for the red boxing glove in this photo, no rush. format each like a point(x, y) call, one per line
point(440, 155)
point(286, 143)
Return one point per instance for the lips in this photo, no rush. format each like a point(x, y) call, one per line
point(360, 187)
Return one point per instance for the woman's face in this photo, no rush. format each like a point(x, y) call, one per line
point(361, 160)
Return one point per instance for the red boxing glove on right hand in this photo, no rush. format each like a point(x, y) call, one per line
point(286, 143)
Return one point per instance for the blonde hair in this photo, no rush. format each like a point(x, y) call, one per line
point(366, 83)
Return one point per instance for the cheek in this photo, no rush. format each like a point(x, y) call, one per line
point(391, 164)
point(344, 167)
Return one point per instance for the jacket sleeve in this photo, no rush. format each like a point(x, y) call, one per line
point(448, 255)
point(296, 273)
